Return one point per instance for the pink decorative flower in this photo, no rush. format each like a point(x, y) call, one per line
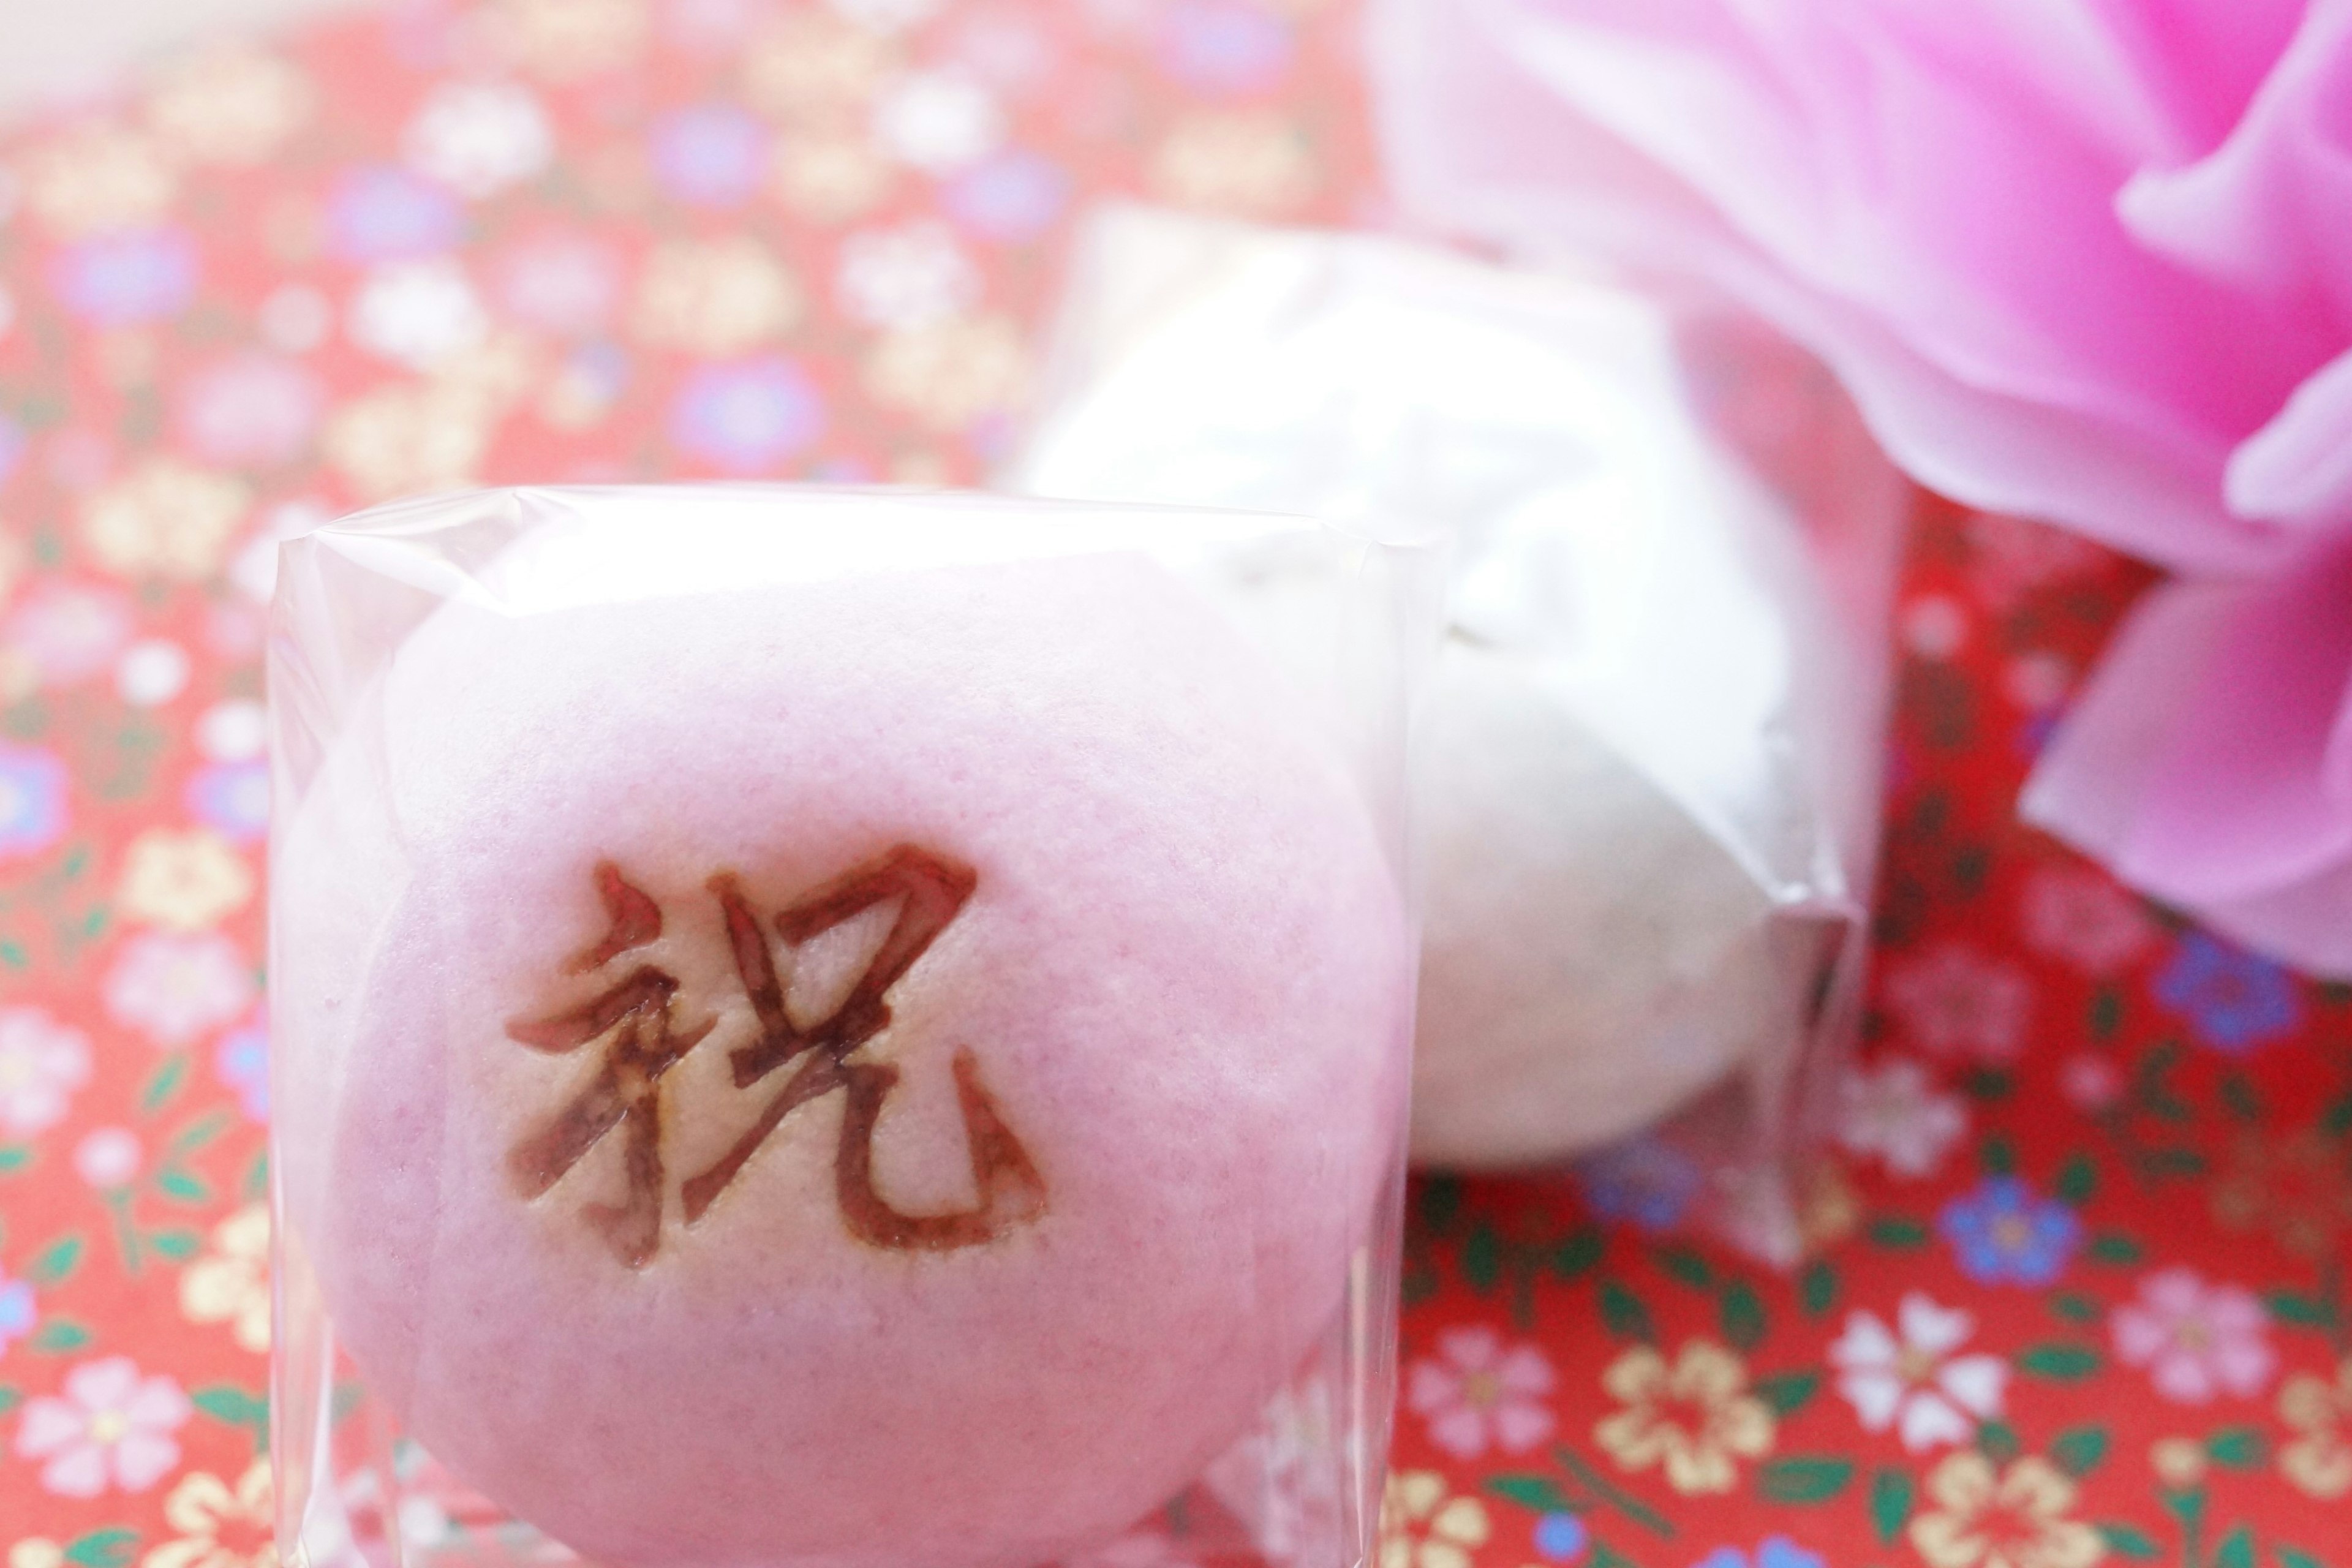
point(1007, 49)
point(1934, 625)
point(69, 634)
point(1478, 1390)
point(2091, 1081)
point(111, 1426)
point(2081, 260)
point(478, 138)
point(710, 26)
point(558, 279)
point(42, 1064)
point(2038, 683)
point(2080, 915)
point(2196, 1340)
point(1910, 1378)
point(1954, 1000)
point(251, 410)
point(175, 988)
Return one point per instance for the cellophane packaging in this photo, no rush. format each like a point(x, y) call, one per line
point(819, 1028)
point(1649, 757)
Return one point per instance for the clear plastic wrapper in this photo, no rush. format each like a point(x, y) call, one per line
point(834, 1030)
point(1650, 756)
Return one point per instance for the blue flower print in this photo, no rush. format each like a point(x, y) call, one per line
point(2002, 1234)
point(1222, 48)
point(124, 279)
point(1562, 1538)
point(1776, 1552)
point(17, 1313)
point(32, 800)
point(711, 155)
point(1012, 197)
point(2233, 1000)
point(232, 799)
point(2034, 730)
point(594, 377)
point(242, 1062)
point(1643, 1180)
point(382, 213)
point(748, 417)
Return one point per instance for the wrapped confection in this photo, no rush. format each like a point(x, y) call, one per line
point(826, 1029)
point(1649, 751)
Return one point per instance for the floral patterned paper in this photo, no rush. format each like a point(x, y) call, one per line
point(2077, 1291)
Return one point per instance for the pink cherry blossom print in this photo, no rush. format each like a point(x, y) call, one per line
point(1955, 1001)
point(1479, 1392)
point(112, 1428)
point(250, 410)
point(43, 1064)
point(2197, 1340)
point(174, 988)
point(2080, 914)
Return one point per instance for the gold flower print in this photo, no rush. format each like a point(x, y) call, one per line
point(1695, 1415)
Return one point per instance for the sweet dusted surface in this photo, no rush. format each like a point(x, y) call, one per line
point(192, 326)
point(1003, 1120)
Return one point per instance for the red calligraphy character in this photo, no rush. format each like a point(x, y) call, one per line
point(931, 891)
point(635, 1013)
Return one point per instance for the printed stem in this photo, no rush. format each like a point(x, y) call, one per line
point(1525, 1264)
point(1632, 1507)
point(126, 1233)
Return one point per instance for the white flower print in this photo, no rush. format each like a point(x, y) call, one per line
point(236, 729)
point(418, 313)
point(107, 1158)
point(478, 138)
point(938, 120)
point(151, 672)
point(1282, 1481)
point(42, 1064)
point(1934, 625)
point(1911, 1380)
point(1897, 1112)
point(909, 276)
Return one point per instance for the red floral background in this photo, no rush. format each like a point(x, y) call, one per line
point(2077, 1288)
